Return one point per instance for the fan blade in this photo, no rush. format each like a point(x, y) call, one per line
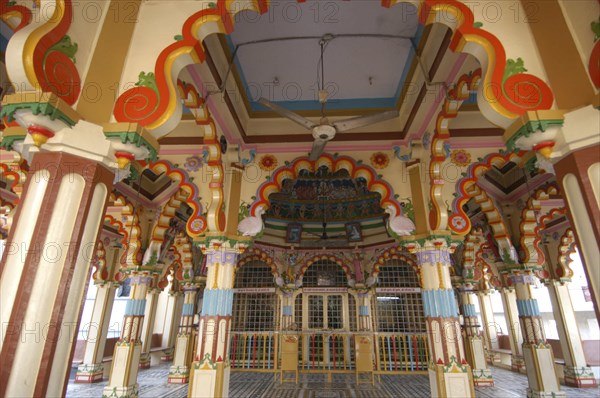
point(287, 113)
point(361, 121)
point(317, 149)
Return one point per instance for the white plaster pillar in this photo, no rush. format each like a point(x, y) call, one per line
point(509, 302)
point(577, 373)
point(148, 327)
point(171, 329)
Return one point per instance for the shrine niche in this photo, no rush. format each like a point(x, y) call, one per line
point(331, 202)
point(325, 195)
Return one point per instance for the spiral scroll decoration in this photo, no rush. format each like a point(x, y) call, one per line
point(136, 105)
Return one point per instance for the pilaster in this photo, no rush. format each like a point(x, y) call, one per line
point(490, 330)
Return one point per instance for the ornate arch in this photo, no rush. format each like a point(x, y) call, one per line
point(530, 230)
point(131, 225)
point(256, 254)
point(567, 247)
point(291, 171)
point(501, 101)
point(99, 262)
point(196, 224)
point(394, 253)
point(166, 214)
point(325, 257)
point(467, 84)
point(467, 188)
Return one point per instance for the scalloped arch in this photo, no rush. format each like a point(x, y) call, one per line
point(500, 101)
point(467, 84)
point(394, 253)
point(256, 254)
point(567, 246)
point(355, 170)
point(530, 230)
point(467, 187)
point(196, 224)
point(324, 257)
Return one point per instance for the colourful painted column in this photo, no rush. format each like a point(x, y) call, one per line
point(209, 375)
point(172, 319)
point(577, 373)
point(180, 370)
point(123, 374)
point(539, 359)
point(45, 266)
point(482, 375)
point(92, 368)
point(449, 373)
point(148, 327)
point(509, 302)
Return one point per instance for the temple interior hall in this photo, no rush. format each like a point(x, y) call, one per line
point(299, 198)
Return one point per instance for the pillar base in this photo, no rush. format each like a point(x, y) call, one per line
point(580, 377)
point(167, 355)
point(517, 364)
point(545, 394)
point(451, 381)
point(179, 375)
point(483, 378)
point(209, 379)
point(145, 361)
point(89, 373)
point(541, 374)
point(121, 392)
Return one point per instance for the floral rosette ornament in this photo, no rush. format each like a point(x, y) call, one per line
point(458, 223)
point(267, 162)
point(193, 163)
point(460, 157)
point(379, 160)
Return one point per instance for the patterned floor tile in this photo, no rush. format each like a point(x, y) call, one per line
point(264, 385)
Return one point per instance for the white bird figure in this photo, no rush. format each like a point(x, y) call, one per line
point(153, 248)
point(400, 225)
point(251, 226)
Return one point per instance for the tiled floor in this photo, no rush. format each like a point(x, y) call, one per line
point(263, 385)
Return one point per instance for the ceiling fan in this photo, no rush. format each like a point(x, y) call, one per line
point(324, 131)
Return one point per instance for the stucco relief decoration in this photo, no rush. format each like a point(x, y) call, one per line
point(380, 160)
point(460, 157)
point(50, 52)
point(15, 16)
point(267, 162)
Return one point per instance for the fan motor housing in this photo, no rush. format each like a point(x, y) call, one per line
point(324, 132)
